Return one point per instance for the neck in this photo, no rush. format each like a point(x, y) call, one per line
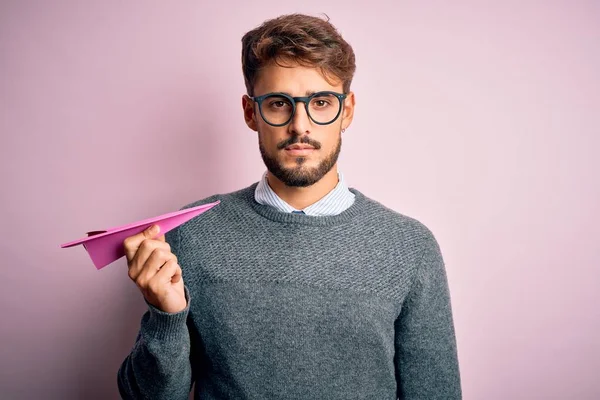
point(302, 197)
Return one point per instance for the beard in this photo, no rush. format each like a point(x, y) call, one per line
point(299, 175)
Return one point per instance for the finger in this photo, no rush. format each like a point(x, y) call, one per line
point(132, 243)
point(169, 273)
point(154, 263)
point(178, 275)
point(161, 281)
point(145, 251)
point(161, 238)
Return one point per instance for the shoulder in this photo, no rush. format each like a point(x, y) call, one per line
point(399, 225)
point(224, 214)
point(228, 200)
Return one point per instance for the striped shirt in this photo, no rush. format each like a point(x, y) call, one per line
point(335, 202)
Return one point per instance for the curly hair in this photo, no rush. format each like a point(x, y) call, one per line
point(306, 40)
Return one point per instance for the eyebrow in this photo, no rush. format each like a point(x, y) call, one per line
point(308, 92)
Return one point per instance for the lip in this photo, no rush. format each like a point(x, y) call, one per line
point(297, 151)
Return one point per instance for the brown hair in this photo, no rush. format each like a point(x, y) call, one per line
point(308, 41)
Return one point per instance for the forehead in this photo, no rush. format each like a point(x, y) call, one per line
point(294, 79)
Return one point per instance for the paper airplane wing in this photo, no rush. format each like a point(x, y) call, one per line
point(104, 247)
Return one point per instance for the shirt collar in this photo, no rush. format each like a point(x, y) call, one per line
point(335, 202)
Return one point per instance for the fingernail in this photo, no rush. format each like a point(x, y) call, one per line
point(154, 229)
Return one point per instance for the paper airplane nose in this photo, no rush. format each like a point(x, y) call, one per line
point(104, 247)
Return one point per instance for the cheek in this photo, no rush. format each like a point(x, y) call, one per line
point(330, 139)
point(269, 137)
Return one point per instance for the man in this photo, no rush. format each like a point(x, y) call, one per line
point(296, 287)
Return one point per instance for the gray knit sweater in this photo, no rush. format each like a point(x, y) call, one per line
point(287, 306)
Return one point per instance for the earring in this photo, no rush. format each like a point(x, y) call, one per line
point(343, 130)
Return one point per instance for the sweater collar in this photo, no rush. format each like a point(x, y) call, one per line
point(360, 206)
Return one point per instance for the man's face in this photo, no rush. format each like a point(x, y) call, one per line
point(301, 152)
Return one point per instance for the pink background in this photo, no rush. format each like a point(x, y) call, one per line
point(479, 120)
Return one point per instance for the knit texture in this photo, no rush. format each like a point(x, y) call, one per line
point(291, 306)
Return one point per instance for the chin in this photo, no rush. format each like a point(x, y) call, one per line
point(302, 171)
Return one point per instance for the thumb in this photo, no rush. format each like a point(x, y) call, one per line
point(151, 231)
point(132, 243)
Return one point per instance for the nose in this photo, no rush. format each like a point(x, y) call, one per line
point(300, 123)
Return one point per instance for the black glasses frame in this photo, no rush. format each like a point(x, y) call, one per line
point(293, 100)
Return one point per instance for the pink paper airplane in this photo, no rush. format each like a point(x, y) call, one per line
point(104, 247)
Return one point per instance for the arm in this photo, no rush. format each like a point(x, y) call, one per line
point(158, 366)
point(426, 355)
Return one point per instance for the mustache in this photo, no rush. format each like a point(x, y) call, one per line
point(295, 139)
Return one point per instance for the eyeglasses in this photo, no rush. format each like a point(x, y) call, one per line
point(278, 109)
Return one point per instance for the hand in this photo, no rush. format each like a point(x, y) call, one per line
point(155, 271)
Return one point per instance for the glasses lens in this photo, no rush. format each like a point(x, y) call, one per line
point(323, 108)
point(276, 110)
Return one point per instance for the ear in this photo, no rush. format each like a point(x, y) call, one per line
point(348, 110)
point(249, 114)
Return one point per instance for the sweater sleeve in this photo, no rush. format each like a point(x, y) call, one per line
point(158, 366)
point(426, 355)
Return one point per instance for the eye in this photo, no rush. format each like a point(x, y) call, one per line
point(278, 103)
point(321, 102)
